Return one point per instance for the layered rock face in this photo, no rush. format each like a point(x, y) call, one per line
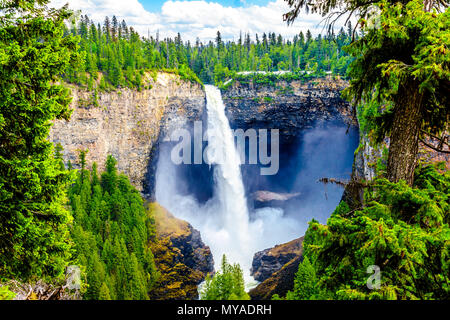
point(181, 257)
point(289, 106)
point(269, 261)
point(127, 123)
point(276, 268)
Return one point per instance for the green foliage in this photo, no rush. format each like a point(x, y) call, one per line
point(227, 284)
point(111, 232)
point(34, 236)
point(5, 293)
point(404, 48)
point(305, 282)
point(116, 56)
point(122, 57)
point(404, 230)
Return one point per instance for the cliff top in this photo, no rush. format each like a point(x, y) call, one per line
point(167, 224)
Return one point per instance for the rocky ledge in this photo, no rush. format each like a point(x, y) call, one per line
point(181, 257)
point(128, 123)
point(269, 261)
point(265, 198)
point(289, 106)
point(276, 269)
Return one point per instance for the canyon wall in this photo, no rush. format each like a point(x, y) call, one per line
point(182, 259)
point(131, 124)
point(127, 123)
point(289, 106)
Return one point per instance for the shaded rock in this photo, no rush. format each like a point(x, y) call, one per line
point(267, 262)
point(128, 123)
point(181, 257)
point(289, 106)
point(279, 283)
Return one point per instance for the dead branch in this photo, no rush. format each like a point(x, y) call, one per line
point(433, 147)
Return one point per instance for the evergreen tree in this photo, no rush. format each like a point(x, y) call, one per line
point(401, 79)
point(227, 284)
point(32, 182)
point(111, 233)
point(123, 62)
point(104, 292)
point(403, 230)
point(305, 282)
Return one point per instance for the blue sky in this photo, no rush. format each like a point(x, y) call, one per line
point(201, 18)
point(155, 5)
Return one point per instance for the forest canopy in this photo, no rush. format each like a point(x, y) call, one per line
point(117, 56)
point(111, 233)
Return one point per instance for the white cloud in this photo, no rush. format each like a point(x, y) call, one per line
point(198, 18)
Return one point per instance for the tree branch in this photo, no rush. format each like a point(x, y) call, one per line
point(433, 147)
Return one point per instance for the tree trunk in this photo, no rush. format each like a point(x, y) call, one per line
point(404, 139)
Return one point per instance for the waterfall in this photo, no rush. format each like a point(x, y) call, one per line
point(224, 220)
point(229, 188)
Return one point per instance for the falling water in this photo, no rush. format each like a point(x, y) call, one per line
point(224, 220)
point(229, 188)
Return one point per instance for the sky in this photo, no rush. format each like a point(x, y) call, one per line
point(200, 18)
point(155, 5)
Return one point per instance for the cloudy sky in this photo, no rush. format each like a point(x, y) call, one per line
point(198, 18)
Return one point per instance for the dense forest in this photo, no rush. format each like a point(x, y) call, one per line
point(116, 56)
point(404, 230)
point(111, 232)
point(399, 84)
point(399, 78)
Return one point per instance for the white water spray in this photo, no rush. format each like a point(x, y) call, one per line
point(223, 221)
point(229, 188)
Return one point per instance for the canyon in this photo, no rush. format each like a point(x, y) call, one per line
point(134, 125)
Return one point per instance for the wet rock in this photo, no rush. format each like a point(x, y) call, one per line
point(181, 257)
point(262, 199)
point(264, 196)
point(267, 262)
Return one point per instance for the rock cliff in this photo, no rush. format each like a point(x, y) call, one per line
point(181, 257)
point(130, 125)
point(127, 123)
point(276, 268)
point(269, 261)
point(289, 106)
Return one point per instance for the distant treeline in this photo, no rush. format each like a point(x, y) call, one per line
point(117, 56)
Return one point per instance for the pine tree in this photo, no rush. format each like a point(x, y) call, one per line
point(305, 283)
point(115, 28)
point(104, 292)
point(401, 78)
point(227, 284)
point(407, 69)
point(401, 229)
point(111, 233)
point(218, 43)
point(107, 28)
point(32, 184)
